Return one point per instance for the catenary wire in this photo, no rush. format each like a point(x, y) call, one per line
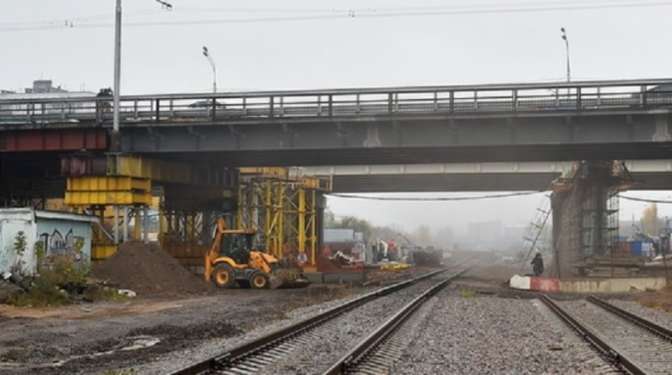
point(359, 13)
point(433, 199)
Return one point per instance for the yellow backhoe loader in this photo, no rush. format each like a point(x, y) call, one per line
point(232, 260)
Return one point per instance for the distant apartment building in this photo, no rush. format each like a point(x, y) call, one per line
point(43, 89)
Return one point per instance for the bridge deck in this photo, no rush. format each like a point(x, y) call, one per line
point(372, 104)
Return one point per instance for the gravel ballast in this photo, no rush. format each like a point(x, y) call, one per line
point(649, 351)
point(492, 335)
point(328, 343)
point(659, 317)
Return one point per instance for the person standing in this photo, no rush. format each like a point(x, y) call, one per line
point(537, 264)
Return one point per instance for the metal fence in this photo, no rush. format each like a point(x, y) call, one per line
point(593, 96)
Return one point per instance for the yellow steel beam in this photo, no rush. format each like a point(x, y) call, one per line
point(89, 198)
point(107, 184)
point(273, 172)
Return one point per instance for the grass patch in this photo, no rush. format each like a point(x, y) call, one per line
point(61, 281)
point(121, 372)
point(467, 293)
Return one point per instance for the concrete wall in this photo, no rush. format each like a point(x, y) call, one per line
point(588, 286)
point(62, 237)
point(566, 208)
point(10, 225)
point(612, 285)
point(54, 233)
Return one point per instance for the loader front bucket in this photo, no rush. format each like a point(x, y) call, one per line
point(288, 278)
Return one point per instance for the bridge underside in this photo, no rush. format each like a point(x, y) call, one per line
point(474, 182)
point(594, 137)
point(421, 155)
point(27, 176)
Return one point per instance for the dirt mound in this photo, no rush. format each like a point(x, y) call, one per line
point(146, 269)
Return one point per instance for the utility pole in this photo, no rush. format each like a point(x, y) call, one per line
point(207, 55)
point(116, 141)
point(117, 77)
point(564, 37)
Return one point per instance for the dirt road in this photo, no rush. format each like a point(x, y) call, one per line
point(94, 337)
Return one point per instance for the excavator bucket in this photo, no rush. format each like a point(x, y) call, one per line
point(286, 278)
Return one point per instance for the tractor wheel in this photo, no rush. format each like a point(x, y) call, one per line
point(258, 281)
point(223, 276)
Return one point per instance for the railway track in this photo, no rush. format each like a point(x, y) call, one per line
point(376, 353)
point(253, 356)
point(632, 344)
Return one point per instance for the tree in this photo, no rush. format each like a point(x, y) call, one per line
point(358, 225)
point(650, 220)
point(329, 219)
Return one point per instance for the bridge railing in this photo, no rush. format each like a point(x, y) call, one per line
point(365, 103)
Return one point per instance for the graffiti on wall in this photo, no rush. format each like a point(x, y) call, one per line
point(57, 244)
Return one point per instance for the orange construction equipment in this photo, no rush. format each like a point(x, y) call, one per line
point(233, 260)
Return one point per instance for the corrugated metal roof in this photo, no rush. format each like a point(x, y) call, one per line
point(27, 212)
point(55, 215)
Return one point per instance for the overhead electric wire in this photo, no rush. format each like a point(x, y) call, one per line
point(327, 14)
point(434, 199)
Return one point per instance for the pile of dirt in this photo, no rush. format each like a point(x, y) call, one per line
point(147, 270)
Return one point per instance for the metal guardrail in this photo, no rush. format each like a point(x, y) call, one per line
point(588, 96)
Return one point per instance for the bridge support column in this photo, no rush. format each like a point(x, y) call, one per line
point(585, 221)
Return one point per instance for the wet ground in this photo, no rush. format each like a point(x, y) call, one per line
point(152, 335)
point(92, 338)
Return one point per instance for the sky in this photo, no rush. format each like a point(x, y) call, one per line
point(261, 45)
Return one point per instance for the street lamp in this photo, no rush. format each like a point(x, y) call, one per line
point(117, 70)
point(564, 37)
point(207, 55)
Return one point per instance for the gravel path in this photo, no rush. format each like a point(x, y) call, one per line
point(331, 341)
point(659, 317)
point(492, 335)
point(650, 352)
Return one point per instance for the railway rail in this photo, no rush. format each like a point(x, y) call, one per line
point(374, 354)
point(632, 344)
point(251, 357)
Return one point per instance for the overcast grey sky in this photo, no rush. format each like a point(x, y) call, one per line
point(337, 50)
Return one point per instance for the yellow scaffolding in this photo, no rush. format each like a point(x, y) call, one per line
point(284, 214)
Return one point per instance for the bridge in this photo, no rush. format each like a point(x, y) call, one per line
point(623, 119)
point(503, 176)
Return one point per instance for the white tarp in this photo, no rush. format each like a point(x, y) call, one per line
point(520, 282)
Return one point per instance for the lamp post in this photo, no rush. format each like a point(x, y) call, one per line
point(207, 55)
point(564, 37)
point(117, 71)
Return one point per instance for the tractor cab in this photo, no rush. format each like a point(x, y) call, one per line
point(237, 246)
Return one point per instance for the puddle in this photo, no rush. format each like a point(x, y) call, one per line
point(129, 344)
point(141, 342)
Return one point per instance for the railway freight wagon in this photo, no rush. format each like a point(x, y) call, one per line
point(25, 232)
